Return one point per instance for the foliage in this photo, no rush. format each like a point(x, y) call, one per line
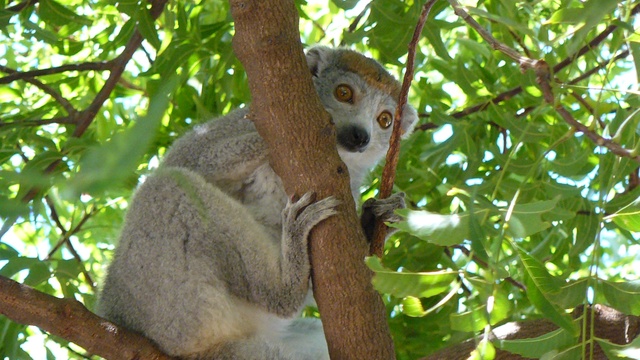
point(516, 214)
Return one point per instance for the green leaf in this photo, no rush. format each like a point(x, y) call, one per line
point(412, 306)
point(174, 56)
point(469, 321)
point(17, 264)
point(402, 284)
point(484, 350)
point(541, 287)
point(571, 294)
point(590, 14)
point(634, 47)
point(146, 26)
point(444, 230)
point(477, 318)
point(7, 252)
point(526, 218)
point(628, 217)
point(502, 20)
point(5, 17)
point(12, 207)
point(54, 13)
point(623, 296)
point(476, 47)
point(39, 273)
point(106, 166)
point(345, 4)
point(620, 352)
point(568, 16)
point(536, 347)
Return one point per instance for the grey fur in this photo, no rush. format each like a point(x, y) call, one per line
point(212, 261)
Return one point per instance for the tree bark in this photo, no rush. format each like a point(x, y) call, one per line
point(70, 320)
point(302, 146)
point(608, 324)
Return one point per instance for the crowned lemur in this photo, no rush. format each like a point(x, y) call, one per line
point(212, 262)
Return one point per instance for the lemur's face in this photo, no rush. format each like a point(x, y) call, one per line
point(361, 98)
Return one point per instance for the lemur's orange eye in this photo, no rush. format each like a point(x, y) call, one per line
point(344, 93)
point(385, 119)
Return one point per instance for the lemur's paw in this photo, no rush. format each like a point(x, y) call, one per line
point(384, 209)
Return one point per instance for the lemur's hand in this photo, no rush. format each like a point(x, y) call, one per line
point(381, 209)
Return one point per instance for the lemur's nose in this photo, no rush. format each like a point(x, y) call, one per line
point(353, 138)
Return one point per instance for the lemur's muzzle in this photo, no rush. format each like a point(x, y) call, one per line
point(353, 138)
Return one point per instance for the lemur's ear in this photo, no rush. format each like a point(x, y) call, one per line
point(317, 59)
point(409, 120)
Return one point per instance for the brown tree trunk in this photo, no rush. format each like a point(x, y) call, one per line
point(301, 140)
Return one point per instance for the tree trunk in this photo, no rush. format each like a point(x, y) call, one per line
point(302, 144)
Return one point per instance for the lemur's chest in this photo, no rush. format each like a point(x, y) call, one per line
point(263, 194)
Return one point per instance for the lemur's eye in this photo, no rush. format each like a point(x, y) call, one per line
point(385, 119)
point(344, 93)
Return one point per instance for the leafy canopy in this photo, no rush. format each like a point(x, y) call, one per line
point(515, 214)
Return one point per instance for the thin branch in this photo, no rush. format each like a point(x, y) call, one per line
point(54, 214)
point(558, 67)
point(634, 180)
point(66, 239)
point(524, 62)
point(354, 24)
point(66, 234)
point(17, 75)
point(118, 64)
point(587, 106)
point(601, 65)
point(506, 95)
point(427, 126)
point(388, 174)
point(19, 7)
point(520, 42)
point(592, 44)
point(57, 120)
point(483, 264)
point(542, 77)
point(71, 111)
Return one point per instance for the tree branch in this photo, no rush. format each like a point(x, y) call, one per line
point(65, 238)
point(389, 171)
point(523, 61)
point(71, 111)
point(117, 68)
point(608, 324)
point(70, 320)
point(18, 75)
point(485, 265)
point(86, 116)
point(543, 75)
point(58, 120)
point(559, 66)
point(19, 7)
